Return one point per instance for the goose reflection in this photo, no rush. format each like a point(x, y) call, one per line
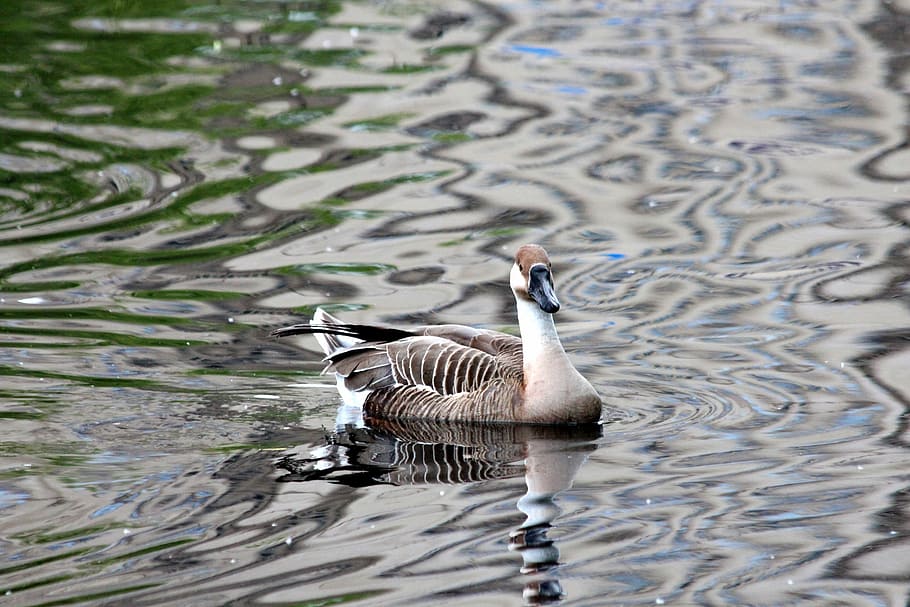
point(423, 452)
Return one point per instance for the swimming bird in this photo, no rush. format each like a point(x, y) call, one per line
point(456, 372)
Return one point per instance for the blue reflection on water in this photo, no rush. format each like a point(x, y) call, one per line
point(540, 51)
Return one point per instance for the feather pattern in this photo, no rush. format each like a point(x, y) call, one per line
point(455, 372)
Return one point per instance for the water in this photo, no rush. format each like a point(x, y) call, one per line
point(722, 186)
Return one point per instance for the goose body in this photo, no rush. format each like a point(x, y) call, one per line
point(455, 372)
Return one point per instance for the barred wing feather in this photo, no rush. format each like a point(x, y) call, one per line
point(437, 363)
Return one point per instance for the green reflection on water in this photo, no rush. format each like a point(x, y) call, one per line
point(452, 49)
point(128, 74)
point(73, 68)
point(380, 123)
point(189, 294)
point(330, 57)
point(92, 380)
point(452, 137)
point(105, 314)
point(49, 559)
point(368, 269)
point(94, 596)
point(22, 415)
point(408, 68)
point(271, 373)
point(147, 550)
point(41, 537)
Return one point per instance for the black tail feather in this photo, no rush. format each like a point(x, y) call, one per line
point(370, 333)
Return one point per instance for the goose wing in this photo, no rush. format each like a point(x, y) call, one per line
point(444, 366)
point(496, 401)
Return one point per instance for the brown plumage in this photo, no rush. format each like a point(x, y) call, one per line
point(455, 372)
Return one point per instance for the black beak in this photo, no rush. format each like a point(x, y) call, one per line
point(540, 288)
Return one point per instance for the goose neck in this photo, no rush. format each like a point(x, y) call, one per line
point(538, 332)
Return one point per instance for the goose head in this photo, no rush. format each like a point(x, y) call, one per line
point(531, 278)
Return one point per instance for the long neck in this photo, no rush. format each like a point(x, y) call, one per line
point(538, 333)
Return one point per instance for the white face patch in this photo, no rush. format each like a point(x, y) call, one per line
point(517, 280)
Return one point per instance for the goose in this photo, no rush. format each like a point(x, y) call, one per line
point(460, 373)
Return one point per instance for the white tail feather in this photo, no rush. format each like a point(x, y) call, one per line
point(331, 343)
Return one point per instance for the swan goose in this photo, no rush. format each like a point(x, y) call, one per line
point(455, 372)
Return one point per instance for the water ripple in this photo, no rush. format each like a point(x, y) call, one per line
point(721, 187)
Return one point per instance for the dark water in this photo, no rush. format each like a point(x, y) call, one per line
point(723, 187)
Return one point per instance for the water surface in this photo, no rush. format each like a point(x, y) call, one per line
point(723, 188)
